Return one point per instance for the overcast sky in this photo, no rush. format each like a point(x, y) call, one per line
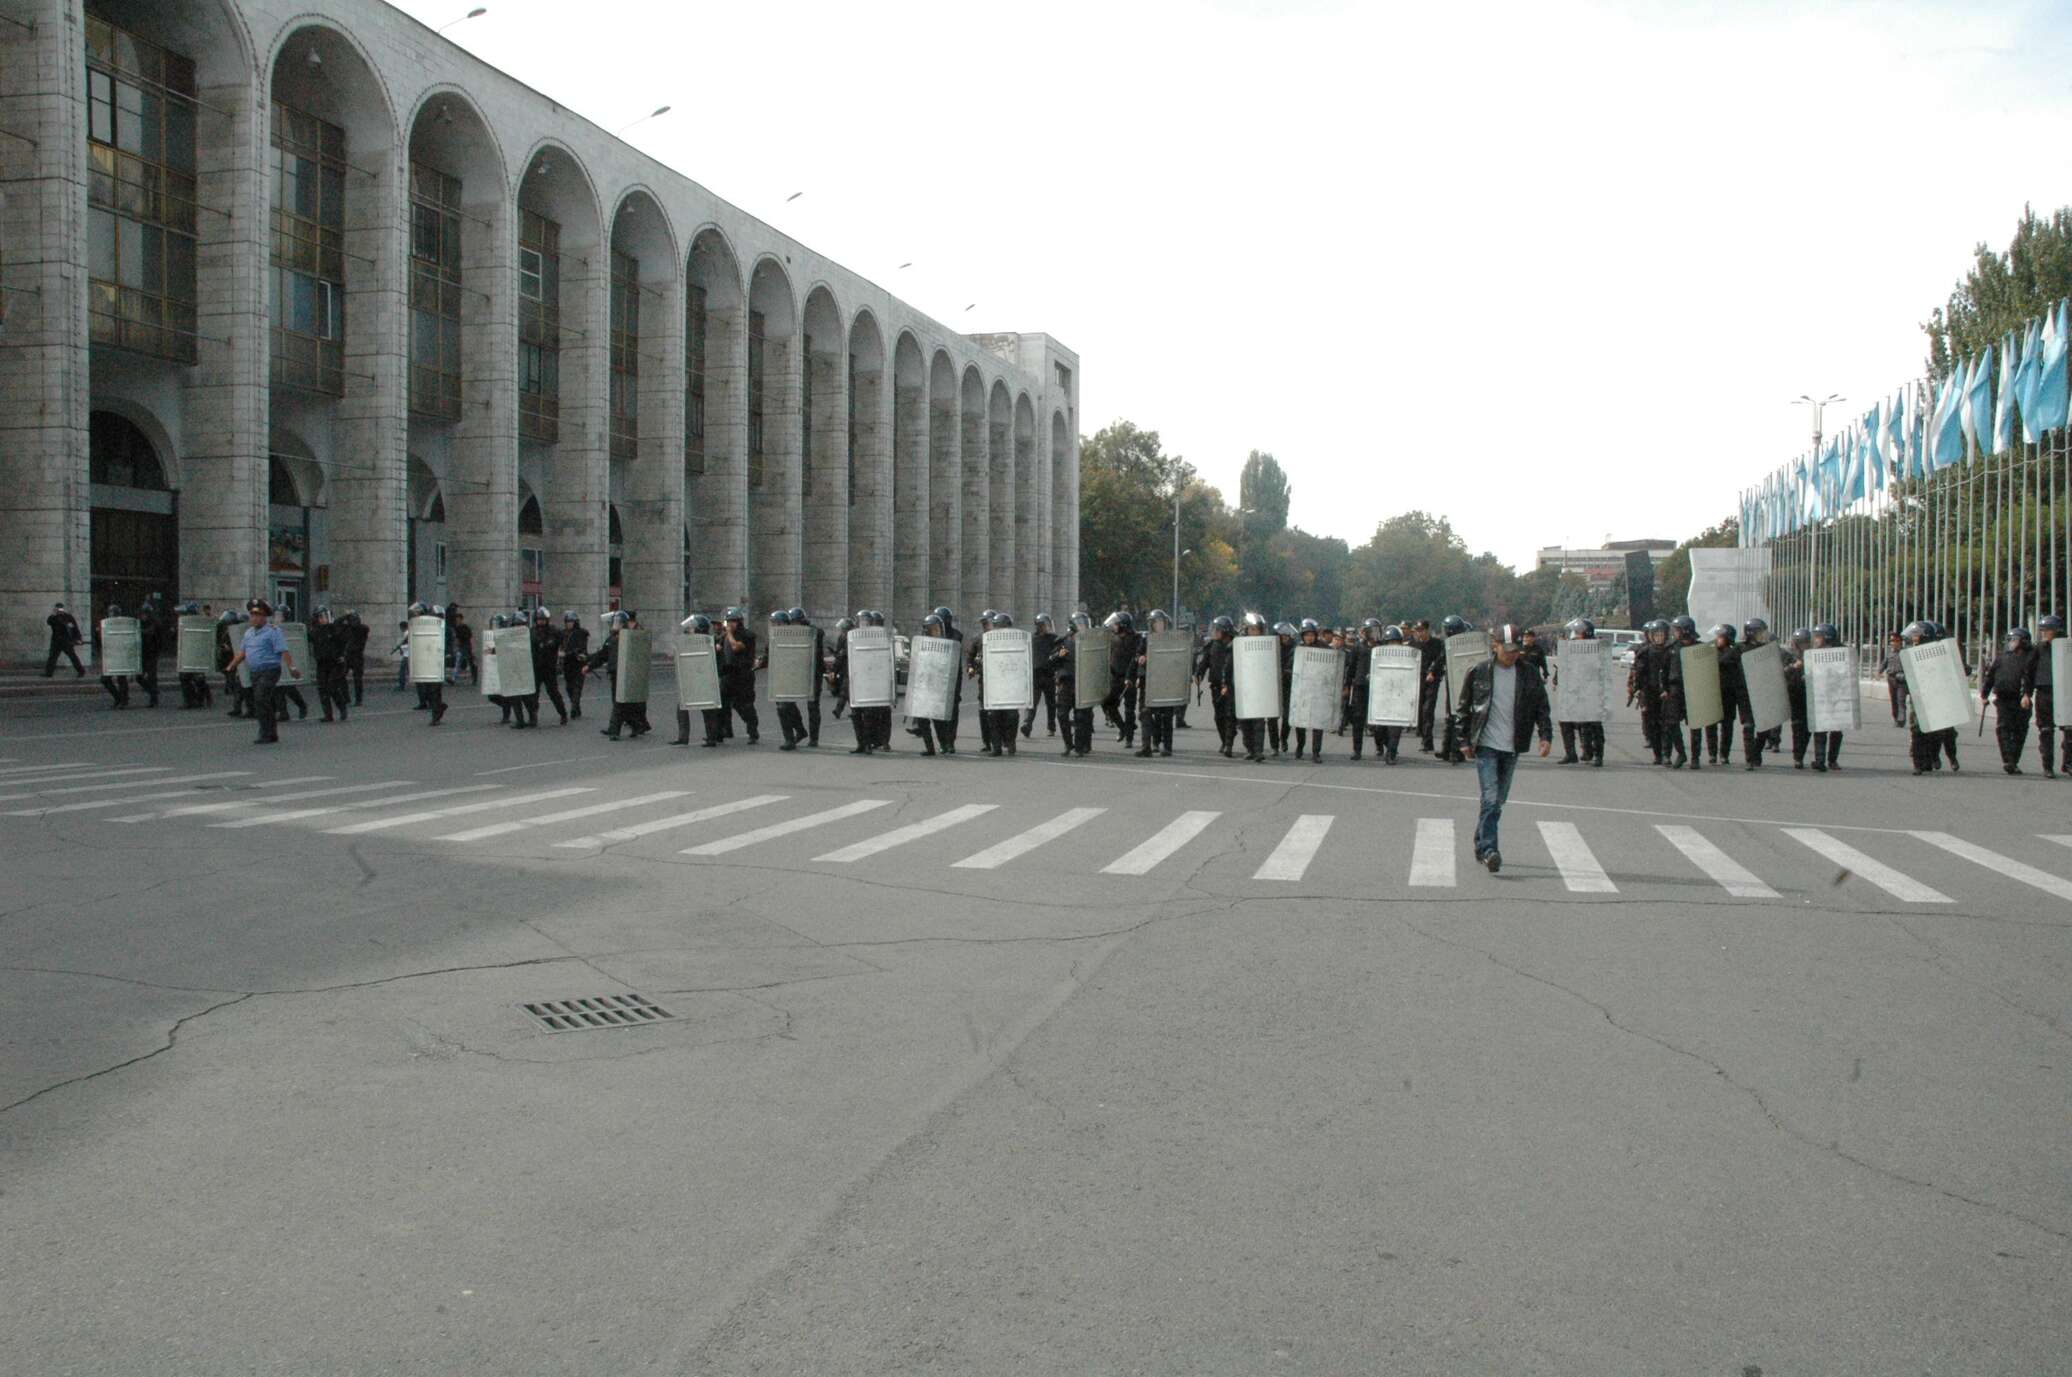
point(1554, 270)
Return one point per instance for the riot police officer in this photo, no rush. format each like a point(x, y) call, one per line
point(1277, 734)
point(430, 697)
point(1042, 647)
point(1001, 720)
point(546, 660)
point(873, 725)
point(935, 730)
point(972, 671)
point(1079, 722)
point(1157, 722)
point(1431, 672)
point(1644, 685)
point(2049, 628)
point(736, 650)
point(575, 657)
point(1449, 742)
point(1795, 694)
point(1219, 673)
point(1927, 748)
point(627, 716)
point(1733, 697)
point(1827, 746)
point(1359, 664)
point(116, 684)
point(2009, 680)
point(791, 723)
point(327, 646)
point(1683, 633)
point(194, 688)
point(505, 702)
point(1253, 729)
point(1120, 706)
point(226, 651)
point(797, 617)
point(698, 624)
point(1590, 732)
point(356, 633)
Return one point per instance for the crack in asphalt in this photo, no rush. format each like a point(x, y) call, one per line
point(172, 1036)
point(1753, 1094)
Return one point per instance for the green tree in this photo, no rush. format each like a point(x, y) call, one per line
point(2003, 291)
point(1262, 497)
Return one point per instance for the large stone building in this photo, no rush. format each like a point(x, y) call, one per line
point(321, 307)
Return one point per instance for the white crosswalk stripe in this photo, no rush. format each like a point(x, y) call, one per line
point(2001, 865)
point(1728, 873)
point(1431, 856)
point(153, 798)
point(1022, 843)
point(785, 829)
point(125, 784)
point(1163, 843)
point(71, 776)
point(1290, 860)
point(233, 804)
point(913, 831)
point(1580, 871)
point(43, 769)
point(670, 824)
point(1901, 887)
point(459, 810)
point(358, 806)
point(498, 829)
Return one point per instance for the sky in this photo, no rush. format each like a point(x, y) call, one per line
point(1554, 270)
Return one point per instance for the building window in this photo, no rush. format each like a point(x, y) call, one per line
point(539, 328)
point(308, 279)
point(755, 399)
point(625, 357)
point(140, 194)
point(119, 455)
point(530, 522)
point(434, 293)
point(1064, 379)
point(694, 331)
point(806, 424)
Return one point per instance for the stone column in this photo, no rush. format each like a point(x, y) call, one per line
point(579, 468)
point(1000, 511)
point(653, 511)
point(370, 490)
point(913, 560)
point(978, 572)
point(945, 498)
point(719, 497)
point(824, 582)
point(482, 499)
point(774, 510)
point(875, 571)
point(1025, 595)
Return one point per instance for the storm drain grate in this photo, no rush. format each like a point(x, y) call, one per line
point(596, 1011)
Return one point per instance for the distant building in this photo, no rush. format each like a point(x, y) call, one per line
point(1601, 565)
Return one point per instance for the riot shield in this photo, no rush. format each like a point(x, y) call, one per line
point(1936, 684)
point(295, 641)
point(427, 650)
point(1316, 689)
point(2060, 652)
point(630, 681)
point(1008, 678)
point(1394, 675)
point(1702, 704)
point(1092, 654)
point(197, 646)
point(1763, 667)
point(1834, 698)
point(933, 668)
point(511, 646)
point(1256, 667)
point(697, 673)
point(791, 664)
point(1463, 653)
point(870, 667)
point(1168, 668)
point(122, 646)
point(1582, 681)
point(489, 665)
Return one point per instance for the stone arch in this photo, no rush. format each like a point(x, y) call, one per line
point(945, 486)
point(975, 478)
point(869, 480)
point(562, 370)
point(715, 416)
point(134, 516)
point(773, 438)
point(824, 453)
point(1026, 510)
point(1000, 498)
point(376, 546)
point(1063, 516)
point(908, 465)
point(647, 402)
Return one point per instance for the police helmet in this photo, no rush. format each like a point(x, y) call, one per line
point(735, 614)
point(1002, 620)
point(780, 617)
point(1755, 630)
point(189, 608)
point(1124, 621)
point(114, 609)
point(322, 614)
point(1654, 625)
point(1254, 622)
point(1043, 621)
point(798, 617)
point(572, 617)
point(1082, 622)
point(2051, 621)
point(1723, 632)
point(1159, 620)
point(933, 621)
point(2018, 637)
point(1684, 627)
point(1371, 624)
point(877, 618)
point(1825, 631)
point(539, 614)
point(1392, 635)
point(699, 623)
point(1581, 629)
point(1309, 624)
point(1802, 636)
point(1284, 628)
point(1224, 625)
point(844, 624)
point(688, 623)
point(1454, 626)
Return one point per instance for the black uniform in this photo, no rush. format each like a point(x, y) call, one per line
point(1042, 647)
point(2009, 678)
point(575, 653)
point(1669, 677)
point(1219, 671)
point(64, 636)
point(1894, 670)
point(628, 716)
point(356, 656)
point(736, 651)
point(2047, 727)
point(1431, 652)
point(1795, 696)
point(546, 661)
point(1277, 734)
point(327, 643)
point(151, 630)
point(1079, 722)
point(1733, 697)
point(1120, 706)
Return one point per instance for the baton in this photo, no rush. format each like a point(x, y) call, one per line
point(1982, 721)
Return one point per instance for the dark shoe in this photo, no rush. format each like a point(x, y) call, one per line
point(1567, 759)
point(327, 717)
point(2012, 769)
point(1144, 753)
point(1819, 767)
point(1495, 861)
point(753, 739)
point(789, 746)
point(438, 713)
point(1165, 750)
point(1027, 727)
point(927, 748)
point(709, 743)
point(1597, 762)
point(1316, 755)
point(860, 750)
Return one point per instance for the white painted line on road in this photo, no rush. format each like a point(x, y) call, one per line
point(670, 824)
point(232, 805)
point(125, 784)
point(67, 777)
point(913, 831)
point(1431, 858)
point(542, 764)
point(1728, 873)
point(2003, 865)
point(46, 769)
point(993, 857)
point(154, 798)
point(785, 829)
point(1579, 868)
point(300, 814)
point(1901, 887)
point(498, 829)
point(412, 819)
point(1292, 857)
point(2061, 840)
point(1163, 843)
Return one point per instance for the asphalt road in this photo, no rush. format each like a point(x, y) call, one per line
point(1018, 1066)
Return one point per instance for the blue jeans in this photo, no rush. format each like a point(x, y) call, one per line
point(1493, 769)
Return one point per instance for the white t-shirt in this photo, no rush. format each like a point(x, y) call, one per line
point(1498, 733)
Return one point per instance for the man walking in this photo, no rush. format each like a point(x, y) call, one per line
point(64, 638)
point(264, 653)
point(1500, 708)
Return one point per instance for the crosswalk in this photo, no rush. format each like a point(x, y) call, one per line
point(1582, 856)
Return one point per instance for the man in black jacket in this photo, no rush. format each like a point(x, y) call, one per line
point(1043, 648)
point(575, 652)
point(1501, 706)
point(2048, 629)
point(2009, 681)
point(64, 635)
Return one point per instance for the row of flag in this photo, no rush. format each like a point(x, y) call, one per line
point(1921, 428)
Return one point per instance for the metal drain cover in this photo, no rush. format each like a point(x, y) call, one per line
point(596, 1011)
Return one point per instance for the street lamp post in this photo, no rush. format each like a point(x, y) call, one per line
point(475, 13)
point(1819, 404)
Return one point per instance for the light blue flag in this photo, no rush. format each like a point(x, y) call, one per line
point(2050, 381)
point(1895, 443)
point(1853, 468)
point(1946, 429)
point(2026, 375)
point(1978, 403)
point(1874, 450)
point(2003, 403)
point(1917, 429)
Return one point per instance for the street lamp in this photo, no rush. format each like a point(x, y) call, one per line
point(475, 13)
point(655, 113)
point(1819, 404)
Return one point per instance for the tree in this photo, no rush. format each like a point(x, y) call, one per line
point(2003, 292)
point(1262, 496)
